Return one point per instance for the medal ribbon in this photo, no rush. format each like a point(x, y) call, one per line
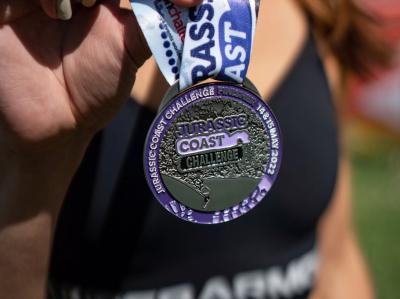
point(213, 40)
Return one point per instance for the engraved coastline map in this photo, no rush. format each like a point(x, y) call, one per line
point(214, 154)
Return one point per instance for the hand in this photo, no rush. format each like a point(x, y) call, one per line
point(60, 80)
point(59, 83)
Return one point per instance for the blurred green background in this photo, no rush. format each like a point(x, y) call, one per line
point(376, 177)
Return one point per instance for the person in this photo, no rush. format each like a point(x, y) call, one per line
point(63, 82)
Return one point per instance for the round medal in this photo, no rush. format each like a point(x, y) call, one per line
point(213, 152)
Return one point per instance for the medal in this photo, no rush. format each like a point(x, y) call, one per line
point(214, 150)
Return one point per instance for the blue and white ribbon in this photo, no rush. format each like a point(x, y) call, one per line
point(213, 40)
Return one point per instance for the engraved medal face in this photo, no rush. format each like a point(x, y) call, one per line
point(212, 153)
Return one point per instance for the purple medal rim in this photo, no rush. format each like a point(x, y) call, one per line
point(173, 205)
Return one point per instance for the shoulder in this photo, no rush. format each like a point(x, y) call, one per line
point(282, 30)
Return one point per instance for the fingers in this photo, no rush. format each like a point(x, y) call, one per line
point(125, 4)
point(62, 9)
point(14, 9)
point(88, 3)
point(57, 9)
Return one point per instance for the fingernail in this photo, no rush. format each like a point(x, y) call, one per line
point(64, 9)
point(88, 3)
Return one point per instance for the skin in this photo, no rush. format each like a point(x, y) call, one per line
point(60, 82)
point(342, 272)
point(55, 94)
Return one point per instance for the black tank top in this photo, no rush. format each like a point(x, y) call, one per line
point(113, 236)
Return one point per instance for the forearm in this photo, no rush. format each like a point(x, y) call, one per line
point(343, 273)
point(32, 190)
point(342, 270)
point(355, 271)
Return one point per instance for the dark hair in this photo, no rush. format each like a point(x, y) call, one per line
point(350, 34)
